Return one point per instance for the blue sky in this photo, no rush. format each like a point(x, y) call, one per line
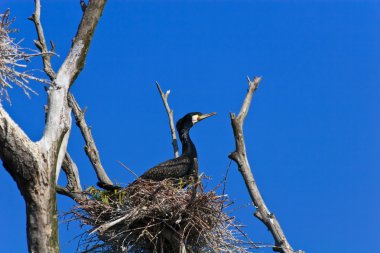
point(312, 133)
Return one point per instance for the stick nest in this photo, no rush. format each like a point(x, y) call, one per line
point(150, 216)
point(12, 60)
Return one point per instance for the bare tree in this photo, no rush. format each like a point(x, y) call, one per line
point(35, 165)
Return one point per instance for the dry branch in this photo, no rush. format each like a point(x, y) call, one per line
point(90, 148)
point(41, 42)
point(169, 111)
point(240, 157)
point(69, 70)
point(72, 174)
point(73, 189)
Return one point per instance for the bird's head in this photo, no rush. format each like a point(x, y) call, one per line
point(190, 119)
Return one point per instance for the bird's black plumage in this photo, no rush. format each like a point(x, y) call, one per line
point(184, 165)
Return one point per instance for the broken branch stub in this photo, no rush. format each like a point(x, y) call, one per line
point(169, 111)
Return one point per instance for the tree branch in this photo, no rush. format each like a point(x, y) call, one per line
point(90, 147)
point(73, 188)
point(74, 62)
point(72, 174)
point(17, 152)
point(58, 120)
point(77, 197)
point(169, 111)
point(41, 42)
point(62, 136)
point(240, 157)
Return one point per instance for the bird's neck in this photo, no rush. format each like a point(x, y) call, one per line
point(188, 147)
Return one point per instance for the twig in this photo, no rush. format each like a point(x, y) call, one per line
point(122, 164)
point(225, 181)
point(225, 178)
point(41, 42)
point(240, 157)
point(106, 226)
point(169, 111)
point(90, 147)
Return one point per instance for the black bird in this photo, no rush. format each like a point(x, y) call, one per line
point(184, 165)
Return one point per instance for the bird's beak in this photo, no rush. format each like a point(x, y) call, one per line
point(203, 116)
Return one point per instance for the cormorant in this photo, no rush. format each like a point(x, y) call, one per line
point(184, 165)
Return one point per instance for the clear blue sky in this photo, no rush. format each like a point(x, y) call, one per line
point(312, 133)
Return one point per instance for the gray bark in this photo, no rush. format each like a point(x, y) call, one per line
point(90, 148)
point(240, 157)
point(42, 223)
point(73, 188)
point(29, 167)
point(35, 165)
point(169, 111)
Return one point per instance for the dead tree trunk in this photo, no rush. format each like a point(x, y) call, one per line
point(34, 174)
point(42, 224)
point(35, 165)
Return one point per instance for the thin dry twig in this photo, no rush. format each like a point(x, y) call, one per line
point(164, 97)
point(131, 171)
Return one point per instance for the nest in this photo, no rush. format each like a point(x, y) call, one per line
point(163, 216)
point(12, 60)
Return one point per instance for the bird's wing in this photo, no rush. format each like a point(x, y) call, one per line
point(174, 168)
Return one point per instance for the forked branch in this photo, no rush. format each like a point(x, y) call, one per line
point(240, 157)
point(90, 148)
point(41, 42)
point(58, 120)
point(169, 111)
